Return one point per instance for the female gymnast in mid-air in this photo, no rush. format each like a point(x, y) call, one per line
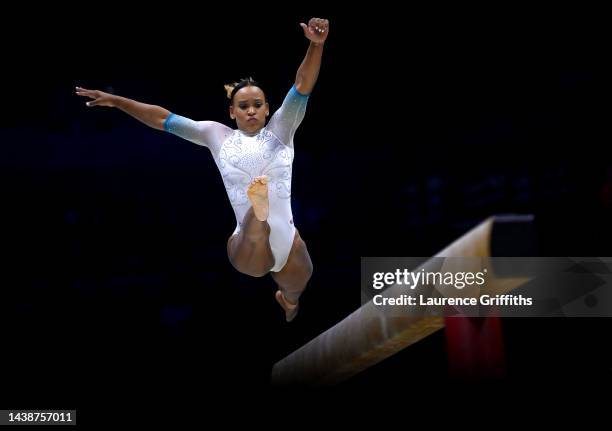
point(255, 163)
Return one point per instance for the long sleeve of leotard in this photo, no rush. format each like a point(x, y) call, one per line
point(288, 117)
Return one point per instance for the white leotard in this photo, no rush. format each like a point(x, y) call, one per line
point(241, 157)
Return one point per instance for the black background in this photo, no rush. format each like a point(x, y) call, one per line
point(423, 123)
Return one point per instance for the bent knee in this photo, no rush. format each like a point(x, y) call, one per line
point(252, 271)
point(308, 269)
point(257, 274)
point(295, 274)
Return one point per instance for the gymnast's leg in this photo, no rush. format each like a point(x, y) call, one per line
point(293, 277)
point(249, 251)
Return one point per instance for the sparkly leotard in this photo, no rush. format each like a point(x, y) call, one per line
point(241, 157)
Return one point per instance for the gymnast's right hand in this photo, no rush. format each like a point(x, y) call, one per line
point(99, 98)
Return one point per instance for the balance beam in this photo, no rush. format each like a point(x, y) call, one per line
point(371, 334)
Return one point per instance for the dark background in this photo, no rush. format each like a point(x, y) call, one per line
point(422, 124)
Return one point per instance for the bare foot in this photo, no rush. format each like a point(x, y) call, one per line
point(291, 310)
point(258, 195)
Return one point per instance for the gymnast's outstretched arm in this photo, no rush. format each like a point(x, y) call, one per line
point(207, 133)
point(316, 31)
point(151, 115)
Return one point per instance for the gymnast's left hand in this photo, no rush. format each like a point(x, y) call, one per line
point(317, 30)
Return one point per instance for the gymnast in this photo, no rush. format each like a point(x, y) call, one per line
point(255, 162)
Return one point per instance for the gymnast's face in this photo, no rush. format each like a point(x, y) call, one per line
point(249, 109)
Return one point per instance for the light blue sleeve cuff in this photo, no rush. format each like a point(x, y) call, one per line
point(167, 120)
point(294, 92)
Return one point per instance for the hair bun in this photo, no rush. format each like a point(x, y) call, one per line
point(229, 88)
